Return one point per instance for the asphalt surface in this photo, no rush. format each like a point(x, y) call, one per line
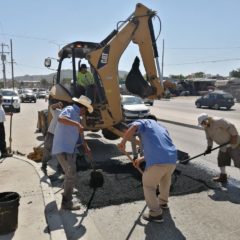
point(200, 212)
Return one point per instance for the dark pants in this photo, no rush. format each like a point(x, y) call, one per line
point(48, 142)
point(90, 91)
point(2, 139)
point(68, 163)
point(224, 158)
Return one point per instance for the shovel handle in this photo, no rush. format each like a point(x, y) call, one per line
point(129, 157)
point(201, 154)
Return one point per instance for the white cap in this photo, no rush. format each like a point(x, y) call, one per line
point(201, 118)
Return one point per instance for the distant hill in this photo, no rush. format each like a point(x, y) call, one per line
point(49, 77)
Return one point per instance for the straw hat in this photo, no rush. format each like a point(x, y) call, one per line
point(85, 101)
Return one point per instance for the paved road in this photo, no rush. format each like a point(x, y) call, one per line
point(24, 136)
point(24, 126)
point(202, 210)
point(183, 109)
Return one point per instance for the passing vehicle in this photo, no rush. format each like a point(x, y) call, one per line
point(133, 108)
point(215, 100)
point(42, 93)
point(11, 100)
point(148, 101)
point(27, 95)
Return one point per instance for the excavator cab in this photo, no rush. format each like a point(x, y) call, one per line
point(102, 59)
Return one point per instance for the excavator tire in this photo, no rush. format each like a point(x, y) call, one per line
point(109, 135)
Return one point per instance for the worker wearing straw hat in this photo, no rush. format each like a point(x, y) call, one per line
point(66, 136)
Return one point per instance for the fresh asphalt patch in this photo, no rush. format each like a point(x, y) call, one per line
point(123, 182)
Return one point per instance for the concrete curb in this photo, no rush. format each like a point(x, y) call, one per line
point(52, 215)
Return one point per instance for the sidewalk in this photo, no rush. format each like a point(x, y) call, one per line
point(37, 202)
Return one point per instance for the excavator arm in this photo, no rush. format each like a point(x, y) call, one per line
point(138, 28)
point(103, 59)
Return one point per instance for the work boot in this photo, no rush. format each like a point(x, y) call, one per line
point(150, 218)
point(70, 204)
point(222, 178)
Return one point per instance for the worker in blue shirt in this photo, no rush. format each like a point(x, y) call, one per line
point(160, 155)
point(66, 136)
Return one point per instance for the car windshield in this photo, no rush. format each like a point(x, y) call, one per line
point(131, 100)
point(227, 96)
point(27, 91)
point(7, 93)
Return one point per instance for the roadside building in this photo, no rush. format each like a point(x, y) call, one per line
point(29, 84)
point(231, 85)
point(195, 86)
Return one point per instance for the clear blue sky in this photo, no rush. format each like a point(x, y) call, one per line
point(199, 35)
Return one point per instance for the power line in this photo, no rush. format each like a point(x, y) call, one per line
point(203, 48)
point(169, 48)
point(34, 38)
point(202, 62)
point(30, 66)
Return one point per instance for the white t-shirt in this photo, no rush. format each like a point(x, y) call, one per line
point(2, 114)
point(55, 114)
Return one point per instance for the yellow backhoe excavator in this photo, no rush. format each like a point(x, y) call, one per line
point(103, 59)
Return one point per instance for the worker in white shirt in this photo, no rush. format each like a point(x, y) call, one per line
point(3, 148)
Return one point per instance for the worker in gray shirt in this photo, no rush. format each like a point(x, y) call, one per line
point(221, 131)
point(55, 110)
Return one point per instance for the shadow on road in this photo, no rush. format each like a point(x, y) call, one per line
point(228, 192)
point(164, 231)
point(155, 231)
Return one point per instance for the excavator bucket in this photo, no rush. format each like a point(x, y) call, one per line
point(135, 83)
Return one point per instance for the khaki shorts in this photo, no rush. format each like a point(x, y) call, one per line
point(224, 158)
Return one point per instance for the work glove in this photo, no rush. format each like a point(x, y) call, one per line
point(208, 151)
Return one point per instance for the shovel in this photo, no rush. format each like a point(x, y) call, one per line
point(10, 135)
point(201, 154)
point(129, 157)
point(96, 178)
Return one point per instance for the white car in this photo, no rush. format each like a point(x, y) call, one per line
point(11, 100)
point(41, 93)
point(133, 108)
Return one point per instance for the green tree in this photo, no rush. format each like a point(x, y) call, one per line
point(235, 73)
point(44, 83)
point(199, 74)
point(179, 77)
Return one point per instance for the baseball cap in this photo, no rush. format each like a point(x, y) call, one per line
point(201, 118)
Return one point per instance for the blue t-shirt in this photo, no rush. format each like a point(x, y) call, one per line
point(66, 137)
point(157, 144)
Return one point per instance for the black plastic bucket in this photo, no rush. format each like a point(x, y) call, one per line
point(9, 202)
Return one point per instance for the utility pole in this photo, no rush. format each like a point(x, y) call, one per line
point(12, 62)
point(162, 57)
point(3, 58)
